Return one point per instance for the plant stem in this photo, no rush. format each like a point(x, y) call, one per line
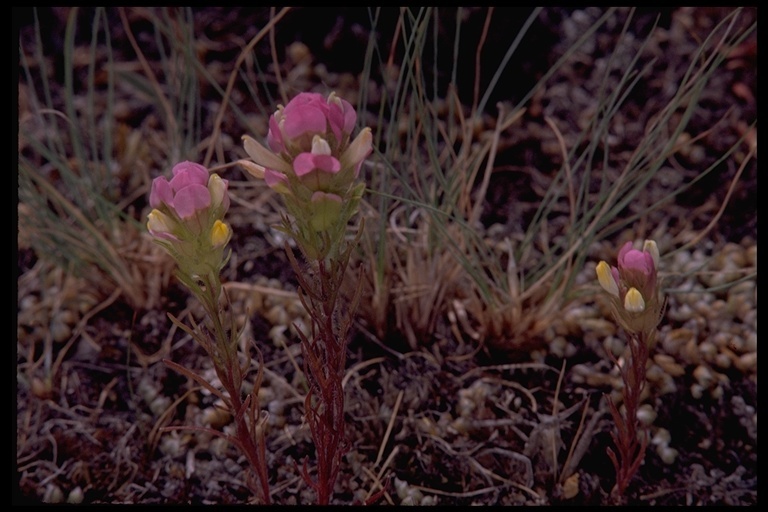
point(324, 361)
point(631, 451)
point(231, 376)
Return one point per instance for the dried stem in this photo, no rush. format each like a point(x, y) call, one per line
point(220, 342)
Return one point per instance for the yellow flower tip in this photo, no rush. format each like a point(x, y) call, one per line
point(157, 222)
point(633, 301)
point(606, 280)
point(220, 234)
point(651, 248)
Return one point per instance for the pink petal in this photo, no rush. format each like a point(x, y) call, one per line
point(191, 199)
point(190, 167)
point(350, 117)
point(336, 120)
point(304, 163)
point(304, 99)
point(161, 193)
point(615, 274)
point(307, 119)
point(636, 260)
point(275, 136)
point(188, 173)
point(624, 250)
point(274, 179)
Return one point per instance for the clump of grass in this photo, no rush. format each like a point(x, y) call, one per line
point(429, 252)
point(82, 169)
point(69, 200)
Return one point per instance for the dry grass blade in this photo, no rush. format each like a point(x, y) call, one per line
point(267, 29)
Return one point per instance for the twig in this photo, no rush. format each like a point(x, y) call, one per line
point(556, 417)
point(391, 424)
point(233, 76)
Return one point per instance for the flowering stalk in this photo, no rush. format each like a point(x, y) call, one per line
point(187, 221)
point(313, 163)
point(637, 306)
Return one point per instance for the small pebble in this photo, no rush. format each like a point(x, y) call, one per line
point(75, 496)
point(646, 415)
point(703, 376)
point(662, 437)
point(696, 391)
point(667, 454)
point(53, 494)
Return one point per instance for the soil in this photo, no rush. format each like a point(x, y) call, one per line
point(449, 421)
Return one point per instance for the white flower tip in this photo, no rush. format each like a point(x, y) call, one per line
point(634, 302)
point(651, 248)
point(320, 146)
point(255, 170)
point(263, 156)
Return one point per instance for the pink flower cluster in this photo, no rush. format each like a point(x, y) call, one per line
point(292, 127)
point(312, 160)
point(311, 157)
point(190, 191)
point(634, 280)
point(187, 213)
point(637, 269)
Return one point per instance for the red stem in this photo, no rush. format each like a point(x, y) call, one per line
point(631, 452)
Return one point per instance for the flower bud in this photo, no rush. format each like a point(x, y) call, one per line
point(606, 279)
point(159, 225)
point(633, 301)
point(185, 194)
point(358, 151)
point(637, 269)
point(187, 218)
point(263, 156)
point(217, 188)
point(651, 248)
point(320, 146)
point(220, 234)
point(315, 171)
point(311, 159)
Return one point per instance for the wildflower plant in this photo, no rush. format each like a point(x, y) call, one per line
point(187, 220)
point(313, 163)
point(637, 306)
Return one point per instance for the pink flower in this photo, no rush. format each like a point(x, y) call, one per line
point(315, 171)
point(276, 180)
point(637, 269)
point(633, 287)
point(186, 193)
point(186, 217)
point(292, 127)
